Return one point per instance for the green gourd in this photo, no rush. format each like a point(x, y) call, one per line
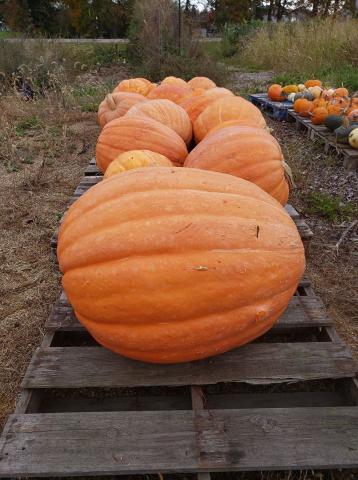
point(342, 132)
point(333, 121)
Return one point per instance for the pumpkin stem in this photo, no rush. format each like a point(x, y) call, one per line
point(110, 101)
point(288, 175)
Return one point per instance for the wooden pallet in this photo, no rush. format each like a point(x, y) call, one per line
point(350, 155)
point(93, 176)
point(275, 110)
point(289, 401)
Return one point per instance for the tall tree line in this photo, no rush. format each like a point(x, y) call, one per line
point(89, 18)
point(235, 11)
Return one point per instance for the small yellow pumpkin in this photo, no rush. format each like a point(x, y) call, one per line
point(136, 159)
point(290, 89)
point(353, 138)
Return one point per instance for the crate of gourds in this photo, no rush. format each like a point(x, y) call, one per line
point(184, 250)
point(334, 108)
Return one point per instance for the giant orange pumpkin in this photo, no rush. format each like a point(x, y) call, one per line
point(115, 105)
point(175, 93)
point(174, 81)
point(201, 82)
point(136, 159)
point(171, 265)
point(138, 133)
point(246, 152)
point(224, 109)
point(195, 105)
point(135, 85)
point(166, 112)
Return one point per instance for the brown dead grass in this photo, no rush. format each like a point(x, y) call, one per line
point(44, 149)
point(333, 274)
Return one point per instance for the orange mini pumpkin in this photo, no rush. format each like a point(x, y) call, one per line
point(116, 105)
point(201, 82)
point(246, 152)
point(302, 106)
point(313, 83)
point(319, 115)
point(334, 108)
point(276, 93)
point(138, 133)
point(175, 93)
point(319, 102)
point(197, 104)
point(136, 159)
point(224, 109)
point(166, 112)
point(170, 265)
point(352, 113)
point(135, 85)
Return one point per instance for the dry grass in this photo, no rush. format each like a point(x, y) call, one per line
point(334, 274)
point(45, 146)
point(304, 45)
point(326, 48)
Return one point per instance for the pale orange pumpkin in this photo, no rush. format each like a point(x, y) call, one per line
point(115, 105)
point(175, 93)
point(224, 109)
point(341, 92)
point(166, 112)
point(171, 265)
point(201, 82)
point(135, 85)
point(197, 104)
point(138, 133)
point(174, 81)
point(246, 152)
point(136, 159)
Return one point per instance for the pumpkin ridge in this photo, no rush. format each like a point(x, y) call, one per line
point(109, 227)
point(225, 343)
point(180, 191)
point(134, 324)
point(292, 250)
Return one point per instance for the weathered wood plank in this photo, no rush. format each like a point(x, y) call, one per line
point(176, 441)
point(256, 363)
point(302, 312)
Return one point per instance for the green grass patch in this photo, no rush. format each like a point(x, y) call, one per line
point(330, 207)
point(28, 126)
point(10, 34)
point(90, 96)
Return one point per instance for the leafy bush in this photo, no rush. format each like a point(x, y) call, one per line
point(154, 49)
point(234, 36)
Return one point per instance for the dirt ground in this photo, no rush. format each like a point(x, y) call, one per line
point(41, 163)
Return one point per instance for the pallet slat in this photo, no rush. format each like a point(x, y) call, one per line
point(103, 443)
point(255, 363)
